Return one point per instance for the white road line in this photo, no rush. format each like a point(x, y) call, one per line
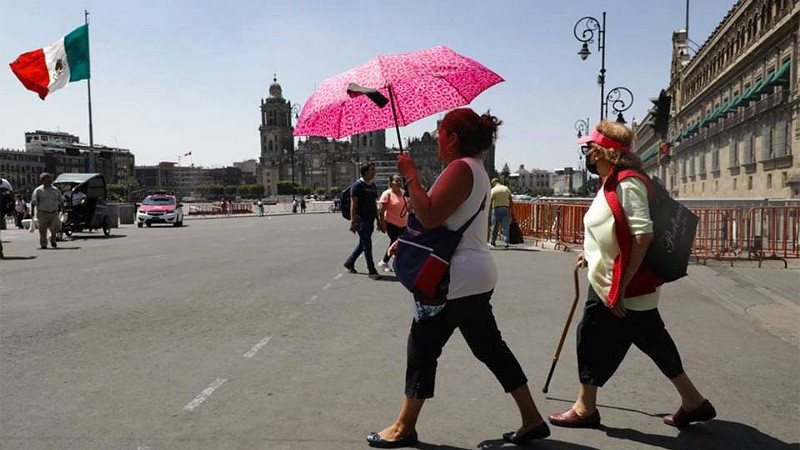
point(257, 347)
point(326, 287)
point(204, 395)
point(338, 276)
point(312, 299)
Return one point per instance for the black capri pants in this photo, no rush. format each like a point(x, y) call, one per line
point(604, 340)
point(473, 316)
point(394, 232)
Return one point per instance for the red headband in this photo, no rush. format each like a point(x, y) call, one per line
point(603, 141)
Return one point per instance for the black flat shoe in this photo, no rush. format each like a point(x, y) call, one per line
point(374, 440)
point(540, 431)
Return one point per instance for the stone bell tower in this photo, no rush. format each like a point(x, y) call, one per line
point(277, 142)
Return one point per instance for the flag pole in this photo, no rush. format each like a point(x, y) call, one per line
point(89, 92)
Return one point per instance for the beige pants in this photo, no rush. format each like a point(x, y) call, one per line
point(48, 221)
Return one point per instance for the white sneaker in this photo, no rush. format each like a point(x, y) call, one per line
point(388, 269)
point(382, 264)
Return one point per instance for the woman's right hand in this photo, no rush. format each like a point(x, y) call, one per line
point(580, 261)
point(406, 166)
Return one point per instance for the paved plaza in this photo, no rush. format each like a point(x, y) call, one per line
point(247, 333)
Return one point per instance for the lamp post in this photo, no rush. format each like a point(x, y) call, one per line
point(582, 127)
point(620, 97)
point(294, 110)
point(589, 26)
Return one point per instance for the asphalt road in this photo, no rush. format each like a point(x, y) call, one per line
point(246, 333)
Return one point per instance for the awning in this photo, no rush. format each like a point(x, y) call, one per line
point(778, 78)
point(650, 153)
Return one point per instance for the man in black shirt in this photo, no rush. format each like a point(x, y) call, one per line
point(363, 214)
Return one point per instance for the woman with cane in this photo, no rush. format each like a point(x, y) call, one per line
point(622, 305)
point(455, 199)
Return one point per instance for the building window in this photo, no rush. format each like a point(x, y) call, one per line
point(703, 186)
point(781, 132)
point(769, 181)
point(784, 178)
point(750, 183)
point(734, 184)
point(767, 152)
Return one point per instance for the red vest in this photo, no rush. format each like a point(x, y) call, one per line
point(644, 281)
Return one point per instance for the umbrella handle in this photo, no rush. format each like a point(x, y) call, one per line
point(394, 113)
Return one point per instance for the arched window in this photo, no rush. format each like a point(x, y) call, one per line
point(269, 146)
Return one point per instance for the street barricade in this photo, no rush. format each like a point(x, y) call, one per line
point(726, 233)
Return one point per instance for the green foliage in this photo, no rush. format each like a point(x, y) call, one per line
point(117, 192)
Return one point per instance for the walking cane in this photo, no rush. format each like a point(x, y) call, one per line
point(563, 333)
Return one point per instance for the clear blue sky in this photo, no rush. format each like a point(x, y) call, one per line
point(174, 76)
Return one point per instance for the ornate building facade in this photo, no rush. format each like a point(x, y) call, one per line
point(733, 129)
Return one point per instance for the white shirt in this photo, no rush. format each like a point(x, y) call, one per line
point(600, 245)
point(472, 269)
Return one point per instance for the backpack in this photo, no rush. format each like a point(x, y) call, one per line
point(422, 262)
point(7, 202)
point(674, 228)
point(344, 201)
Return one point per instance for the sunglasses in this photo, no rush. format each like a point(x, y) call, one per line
point(585, 149)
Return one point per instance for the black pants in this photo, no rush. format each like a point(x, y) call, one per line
point(394, 232)
point(474, 318)
point(604, 340)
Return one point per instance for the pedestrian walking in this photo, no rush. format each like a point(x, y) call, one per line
point(6, 204)
point(223, 204)
point(460, 191)
point(45, 207)
point(393, 212)
point(20, 209)
point(501, 211)
point(302, 205)
point(295, 205)
point(260, 205)
point(363, 215)
point(622, 304)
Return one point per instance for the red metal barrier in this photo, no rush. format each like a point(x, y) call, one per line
point(724, 233)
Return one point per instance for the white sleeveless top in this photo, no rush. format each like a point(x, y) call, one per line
point(472, 269)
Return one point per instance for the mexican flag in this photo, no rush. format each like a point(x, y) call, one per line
point(50, 68)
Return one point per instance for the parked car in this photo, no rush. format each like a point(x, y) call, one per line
point(160, 208)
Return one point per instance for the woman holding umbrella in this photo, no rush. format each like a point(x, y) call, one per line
point(621, 308)
point(454, 198)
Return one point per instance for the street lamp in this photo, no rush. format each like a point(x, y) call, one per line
point(590, 26)
point(621, 99)
point(582, 127)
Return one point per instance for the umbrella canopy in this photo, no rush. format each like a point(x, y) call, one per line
point(419, 84)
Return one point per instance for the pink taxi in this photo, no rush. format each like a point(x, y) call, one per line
point(160, 208)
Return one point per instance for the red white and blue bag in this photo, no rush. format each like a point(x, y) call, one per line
point(422, 263)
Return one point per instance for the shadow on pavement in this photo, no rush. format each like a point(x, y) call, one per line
point(97, 236)
point(619, 408)
point(17, 258)
point(715, 434)
point(499, 443)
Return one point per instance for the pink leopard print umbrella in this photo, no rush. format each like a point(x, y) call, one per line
point(422, 83)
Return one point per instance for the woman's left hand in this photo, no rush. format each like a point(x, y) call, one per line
point(618, 310)
point(406, 166)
